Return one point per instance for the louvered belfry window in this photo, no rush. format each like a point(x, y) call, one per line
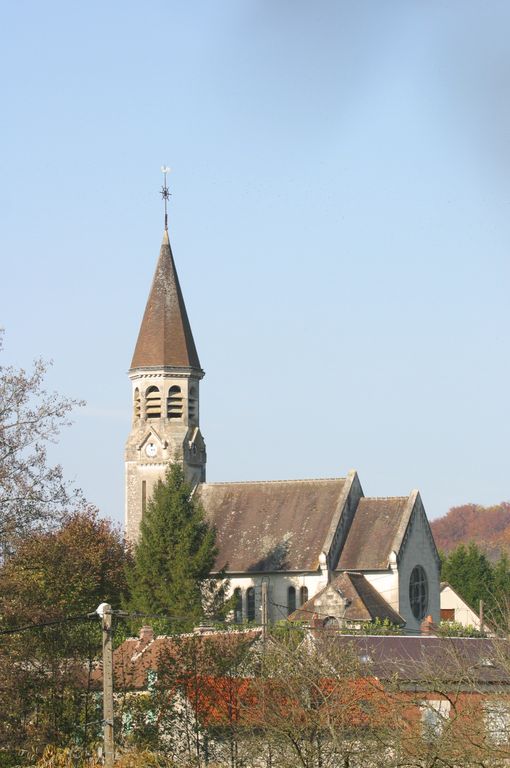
point(193, 405)
point(136, 403)
point(174, 403)
point(153, 403)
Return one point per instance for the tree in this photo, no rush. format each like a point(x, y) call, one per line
point(32, 493)
point(174, 556)
point(470, 573)
point(59, 573)
point(500, 615)
point(46, 672)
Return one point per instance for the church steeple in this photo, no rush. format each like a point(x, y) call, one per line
point(165, 338)
point(165, 374)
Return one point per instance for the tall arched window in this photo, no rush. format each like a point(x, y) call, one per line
point(291, 600)
point(153, 403)
point(418, 592)
point(238, 605)
point(250, 604)
point(303, 595)
point(174, 403)
point(136, 403)
point(193, 405)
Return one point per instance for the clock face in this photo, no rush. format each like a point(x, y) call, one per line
point(151, 450)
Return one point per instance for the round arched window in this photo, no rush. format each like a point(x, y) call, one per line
point(418, 592)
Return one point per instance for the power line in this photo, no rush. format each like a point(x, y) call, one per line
point(52, 623)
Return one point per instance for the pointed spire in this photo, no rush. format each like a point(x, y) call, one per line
point(165, 337)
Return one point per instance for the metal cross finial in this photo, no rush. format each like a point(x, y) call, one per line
point(165, 194)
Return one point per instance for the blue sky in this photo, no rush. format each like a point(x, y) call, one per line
point(339, 218)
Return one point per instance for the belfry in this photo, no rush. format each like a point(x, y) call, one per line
point(165, 373)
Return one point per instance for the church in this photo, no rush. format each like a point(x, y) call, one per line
point(317, 548)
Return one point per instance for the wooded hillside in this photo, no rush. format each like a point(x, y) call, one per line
point(488, 527)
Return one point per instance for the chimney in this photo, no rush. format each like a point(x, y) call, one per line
point(427, 627)
point(146, 635)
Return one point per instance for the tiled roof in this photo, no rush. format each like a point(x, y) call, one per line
point(366, 604)
point(271, 526)
point(373, 533)
point(165, 337)
point(439, 659)
point(133, 659)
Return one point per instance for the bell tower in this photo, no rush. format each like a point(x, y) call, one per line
point(165, 375)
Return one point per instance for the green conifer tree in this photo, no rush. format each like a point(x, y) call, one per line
point(501, 612)
point(470, 573)
point(174, 555)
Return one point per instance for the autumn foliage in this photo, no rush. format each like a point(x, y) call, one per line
point(488, 527)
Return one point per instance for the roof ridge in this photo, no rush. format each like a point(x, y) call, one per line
point(383, 498)
point(223, 632)
point(268, 482)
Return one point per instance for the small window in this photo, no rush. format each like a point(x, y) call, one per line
point(193, 405)
point(291, 600)
point(418, 592)
point(137, 404)
point(238, 605)
point(174, 403)
point(434, 716)
point(331, 622)
point(303, 595)
point(153, 403)
point(497, 721)
point(250, 604)
point(447, 614)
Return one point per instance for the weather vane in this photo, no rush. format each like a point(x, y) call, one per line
point(165, 194)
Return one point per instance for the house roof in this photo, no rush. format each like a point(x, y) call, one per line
point(421, 660)
point(271, 526)
point(366, 604)
point(427, 658)
point(378, 526)
point(135, 657)
point(165, 337)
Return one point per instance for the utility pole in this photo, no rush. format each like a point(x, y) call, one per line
point(105, 611)
point(264, 608)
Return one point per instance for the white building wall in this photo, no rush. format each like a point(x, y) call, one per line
point(278, 585)
point(463, 613)
point(387, 584)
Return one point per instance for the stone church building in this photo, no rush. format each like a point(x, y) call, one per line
point(318, 548)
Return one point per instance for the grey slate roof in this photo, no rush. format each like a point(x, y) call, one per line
point(468, 660)
point(271, 526)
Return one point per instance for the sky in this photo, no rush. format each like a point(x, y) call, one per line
point(339, 220)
